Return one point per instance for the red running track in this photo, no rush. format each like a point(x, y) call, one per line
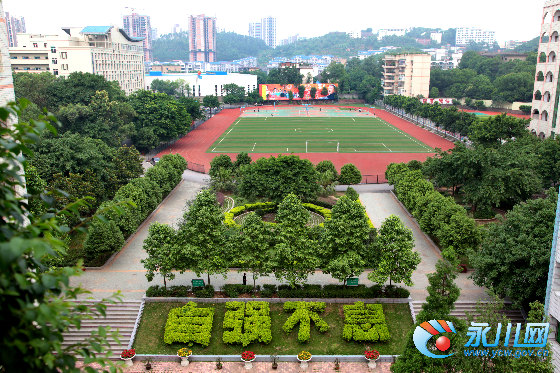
point(194, 145)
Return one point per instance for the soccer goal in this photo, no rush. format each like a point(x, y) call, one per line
point(322, 146)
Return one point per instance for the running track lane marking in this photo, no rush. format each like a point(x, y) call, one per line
point(353, 119)
point(255, 144)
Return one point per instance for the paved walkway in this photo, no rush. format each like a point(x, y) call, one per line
point(238, 367)
point(127, 274)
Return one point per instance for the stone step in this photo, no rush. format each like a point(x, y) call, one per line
point(462, 308)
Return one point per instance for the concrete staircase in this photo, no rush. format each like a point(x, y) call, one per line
point(119, 316)
point(515, 316)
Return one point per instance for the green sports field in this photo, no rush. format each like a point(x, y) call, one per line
point(279, 134)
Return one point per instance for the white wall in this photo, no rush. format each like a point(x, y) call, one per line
point(206, 86)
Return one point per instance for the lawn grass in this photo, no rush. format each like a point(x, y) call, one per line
point(149, 339)
point(301, 134)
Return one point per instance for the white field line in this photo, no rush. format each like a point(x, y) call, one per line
point(409, 137)
point(387, 147)
point(353, 119)
point(255, 144)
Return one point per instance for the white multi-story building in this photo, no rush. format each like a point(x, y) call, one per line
point(465, 35)
point(391, 32)
point(139, 26)
point(255, 30)
point(6, 82)
point(436, 36)
point(407, 74)
point(15, 26)
point(354, 34)
point(208, 84)
point(103, 50)
point(268, 26)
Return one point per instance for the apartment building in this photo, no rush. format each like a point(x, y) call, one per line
point(202, 38)
point(391, 32)
point(406, 75)
point(6, 82)
point(255, 30)
point(265, 30)
point(465, 35)
point(14, 26)
point(137, 25)
point(103, 50)
point(544, 115)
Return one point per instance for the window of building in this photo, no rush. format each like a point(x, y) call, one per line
point(13, 57)
point(53, 49)
point(44, 45)
point(55, 71)
point(64, 66)
point(25, 57)
point(54, 61)
point(63, 55)
point(35, 45)
point(37, 57)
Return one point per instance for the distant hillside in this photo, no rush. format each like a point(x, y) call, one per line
point(171, 47)
point(231, 46)
point(529, 46)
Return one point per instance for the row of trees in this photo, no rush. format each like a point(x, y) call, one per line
point(272, 178)
point(484, 78)
point(90, 106)
point(290, 250)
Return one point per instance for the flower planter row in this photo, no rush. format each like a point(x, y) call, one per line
point(267, 358)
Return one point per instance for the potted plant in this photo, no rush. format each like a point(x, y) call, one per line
point(219, 364)
point(304, 357)
point(371, 356)
point(148, 363)
point(274, 358)
point(184, 354)
point(127, 356)
point(248, 357)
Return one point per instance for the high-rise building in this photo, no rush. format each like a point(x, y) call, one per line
point(103, 50)
point(202, 38)
point(6, 82)
point(407, 74)
point(268, 26)
point(137, 25)
point(15, 26)
point(255, 30)
point(465, 35)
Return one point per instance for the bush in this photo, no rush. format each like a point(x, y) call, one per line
point(304, 313)
point(525, 109)
point(352, 194)
point(189, 324)
point(248, 322)
point(349, 174)
point(326, 166)
point(233, 290)
point(103, 239)
point(204, 292)
point(392, 291)
point(179, 291)
point(365, 323)
point(268, 291)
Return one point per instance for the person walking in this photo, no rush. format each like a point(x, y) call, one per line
point(244, 279)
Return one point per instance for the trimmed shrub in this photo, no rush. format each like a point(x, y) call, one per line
point(219, 162)
point(268, 290)
point(352, 194)
point(189, 324)
point(525, 109)
point(233, 290)
point(326, 166)
point(303, 314)
point(204, 292)
point(349, 174)
point(365, 323)
point(248, 322)
point(104, 238)
point(173, 291)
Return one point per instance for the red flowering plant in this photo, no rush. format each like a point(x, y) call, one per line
point(128, 354)
point(371, 354)
point(248, 355)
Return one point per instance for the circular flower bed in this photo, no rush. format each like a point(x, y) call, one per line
point(236, 216)
point(183, 352)
point(371, 354)
point(304, 356)
point(248, 356)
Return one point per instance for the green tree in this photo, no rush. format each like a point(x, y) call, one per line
point(210, 102)
point(233, 93)
point(295, 254)
point(286, 75)
point(176, 88)
point(33, 87)
point(434, 92)
point(313, 92)
point(220, 162)
point(35, 187)
point(159, 118)
point(161, 247)
point(126, 165)
point(104, 238)
point(301, 91)
point(396, 260)
point(325, 166)
point(36, 301)
point(334, 73)
point(349, 174)
point(352, 194)
point(201, 238)
point(324, 91)
point(169, 47)
point(231, 46)
point(514, 257)
point(253, 247)
point(241, 160)
point(497, 129)
point(346, 246)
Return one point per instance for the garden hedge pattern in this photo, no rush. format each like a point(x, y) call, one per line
point(304, 313)
point(189, 324)
point(269, 207)
point(247, 322)
point(365, 323)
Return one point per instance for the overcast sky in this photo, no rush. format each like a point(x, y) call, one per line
point(511, 19)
